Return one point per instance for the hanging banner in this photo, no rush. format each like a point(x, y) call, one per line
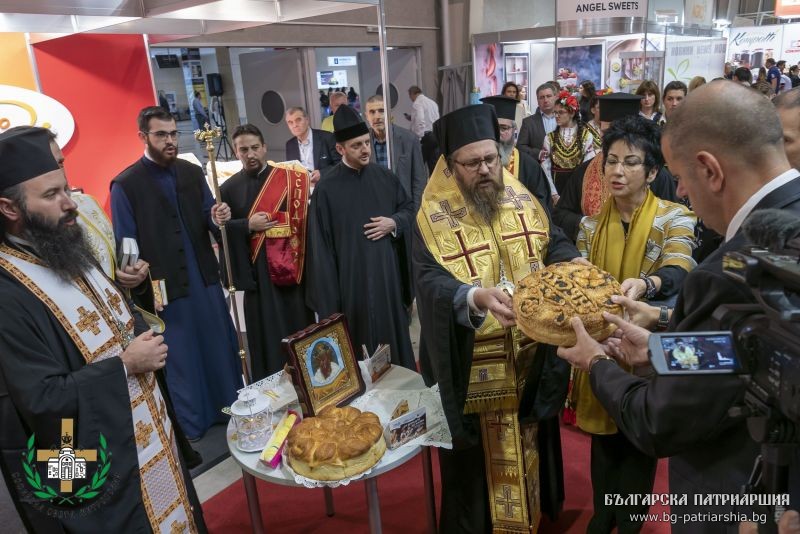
point(751, 46)
point(582, 9)
point(698, 12)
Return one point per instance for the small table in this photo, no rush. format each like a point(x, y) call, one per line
point(396, 378)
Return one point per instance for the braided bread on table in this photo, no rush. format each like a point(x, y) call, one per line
point(336, 444)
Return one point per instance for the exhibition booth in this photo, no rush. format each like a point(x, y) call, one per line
point(618, 45)
point(615, 53)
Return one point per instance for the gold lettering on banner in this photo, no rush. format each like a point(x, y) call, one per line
point(88, 321)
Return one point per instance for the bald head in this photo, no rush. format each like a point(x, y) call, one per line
point(725, 119)
point(722, 146)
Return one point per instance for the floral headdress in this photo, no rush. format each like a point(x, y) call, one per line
point(568, 100)
point(604, 92)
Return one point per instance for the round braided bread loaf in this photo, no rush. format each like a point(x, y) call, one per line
point(336, 444)
point(545, 301)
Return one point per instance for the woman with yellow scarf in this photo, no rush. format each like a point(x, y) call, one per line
point(646, 243)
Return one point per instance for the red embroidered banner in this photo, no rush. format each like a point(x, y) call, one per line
point(284, 198)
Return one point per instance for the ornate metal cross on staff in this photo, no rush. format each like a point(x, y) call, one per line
point(207, 136)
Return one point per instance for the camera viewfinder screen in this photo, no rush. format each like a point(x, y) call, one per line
point(700, 353)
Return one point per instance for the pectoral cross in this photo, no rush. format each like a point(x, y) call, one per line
point(88, 321)
point(67, 433)
point(114, 300)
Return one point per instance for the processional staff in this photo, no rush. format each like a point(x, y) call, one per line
point(208, 135)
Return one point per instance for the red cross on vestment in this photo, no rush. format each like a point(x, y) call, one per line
point(465, 253)
point(524, 233)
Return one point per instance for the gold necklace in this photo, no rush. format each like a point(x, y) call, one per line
point(505, 284)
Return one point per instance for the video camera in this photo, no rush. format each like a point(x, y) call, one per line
point(759, 341)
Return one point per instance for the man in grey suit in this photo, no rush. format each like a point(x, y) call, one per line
point(407, 162)
point(541, 123)
point(315, 149)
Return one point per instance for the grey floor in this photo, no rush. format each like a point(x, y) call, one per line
point(208, 483)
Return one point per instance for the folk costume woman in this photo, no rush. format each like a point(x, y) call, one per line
point(569, 145)
point(645, 243)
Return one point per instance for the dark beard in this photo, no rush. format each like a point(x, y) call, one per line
point(485, 203)
point(159, 157)
point(62, 248)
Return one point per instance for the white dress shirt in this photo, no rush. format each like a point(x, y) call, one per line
point(549, 122)
point(424, 112)
point(751, 203)
point(307, 151)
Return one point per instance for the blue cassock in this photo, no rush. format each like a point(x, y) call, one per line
point(202, 370)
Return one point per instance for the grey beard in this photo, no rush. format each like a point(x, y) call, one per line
point(506, 151)
point(62, 248)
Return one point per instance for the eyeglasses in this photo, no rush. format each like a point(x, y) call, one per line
point(475, 164)
point(628, 164)
point(162, 135)
point(506, 128)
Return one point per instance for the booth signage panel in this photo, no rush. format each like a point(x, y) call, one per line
point(341, 61)
point(751, 46)
point(787, 8)
point(23, 107)
point(583, 9)
point(790, 48)
point(687, 59)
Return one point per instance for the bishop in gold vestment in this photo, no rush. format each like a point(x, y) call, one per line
point(478, 232)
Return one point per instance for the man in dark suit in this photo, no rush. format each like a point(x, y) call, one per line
point(541, 123)
point(407, 162)
point(315, 149)
point(686, 417)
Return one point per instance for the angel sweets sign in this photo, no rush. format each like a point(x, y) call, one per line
point(583, 9)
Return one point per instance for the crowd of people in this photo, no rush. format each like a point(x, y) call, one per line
point(651, 187)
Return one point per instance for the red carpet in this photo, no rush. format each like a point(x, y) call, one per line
point(296, 510)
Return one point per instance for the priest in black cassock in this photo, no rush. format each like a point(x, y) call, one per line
point(477, 233)
point(77, 370)
point(357, 222)
point(520, 164)
point(261, 227)
point(584, 192)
